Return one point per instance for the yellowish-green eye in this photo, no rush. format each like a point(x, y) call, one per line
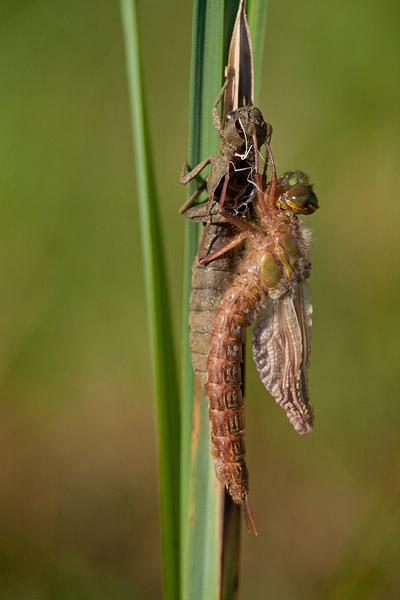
point(302, 178)
point(296, 177)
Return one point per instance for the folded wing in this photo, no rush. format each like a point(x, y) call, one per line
point(281, 349)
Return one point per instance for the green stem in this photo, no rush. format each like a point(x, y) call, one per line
point(159, 313)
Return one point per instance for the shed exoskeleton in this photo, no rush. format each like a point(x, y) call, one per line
point(229, 184)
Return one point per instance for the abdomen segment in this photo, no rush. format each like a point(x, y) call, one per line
point(239, 306)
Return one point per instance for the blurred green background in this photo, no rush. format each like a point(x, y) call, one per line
point(78, 483)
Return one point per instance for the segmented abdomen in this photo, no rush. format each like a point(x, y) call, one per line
point(239, 306)
point(209, 283)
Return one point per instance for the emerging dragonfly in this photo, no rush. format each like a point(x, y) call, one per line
point(272, 284)
point(229, 183)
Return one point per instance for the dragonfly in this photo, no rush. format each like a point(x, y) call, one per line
point(229, 184)
point(271, 284)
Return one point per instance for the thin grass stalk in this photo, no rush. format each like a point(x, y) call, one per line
point(158, 310)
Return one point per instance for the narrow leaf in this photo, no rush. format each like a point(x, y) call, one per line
point(159, 314)
point(200, 492)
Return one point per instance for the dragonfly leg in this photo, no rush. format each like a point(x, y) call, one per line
point(238, 239)
point(267, 141)
point(224, 188)
point(193, 197)
point(257, 176)
point(201, 247)
point(215, 111)
point(240, 224)
point(184, 179)
point(272, 187)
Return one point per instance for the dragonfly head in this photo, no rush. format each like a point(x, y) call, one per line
point(297, 193)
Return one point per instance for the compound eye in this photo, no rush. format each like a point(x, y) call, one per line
point(302, 199)
point(302, 178)
point(230, 116)
point(295, 178)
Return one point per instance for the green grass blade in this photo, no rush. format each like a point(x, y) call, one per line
point(159, 314)
point(199, 494)
point(202, 577)
point(257, 19)
point(192, 231)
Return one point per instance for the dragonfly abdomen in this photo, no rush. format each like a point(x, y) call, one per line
point(239, 306)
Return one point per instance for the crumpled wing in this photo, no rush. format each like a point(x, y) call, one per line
point(281, 350)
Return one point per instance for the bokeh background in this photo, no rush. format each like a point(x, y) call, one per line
point(78, 484)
